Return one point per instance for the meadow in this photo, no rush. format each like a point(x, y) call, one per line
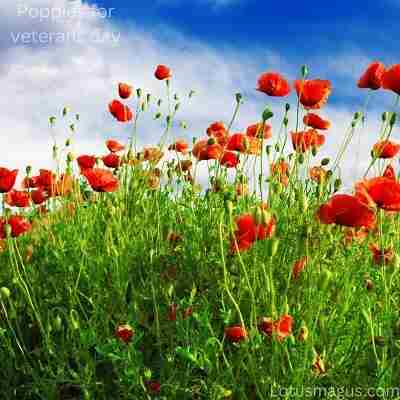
point(123, 276)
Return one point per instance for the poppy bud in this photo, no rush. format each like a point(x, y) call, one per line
point(337, 184)
point(277, 148)
point(353, 124)
point(67, 142)
point(191, 93)
point(157, 116)
point(304, 71)
point(159, 101)
point(72, 127)
point(285, 121)
point(325, 161)
point(267, 114)
point(70, 157)
point(65, 111)
point(329, 173)
point(177, 105)
point(357, 115)
point(77, 117)
point(57, 323)
point(303, 334)
point(393, 119)
point(5, 292)
point(369, 284)
point(314, 151)
point(7, 230)
point(52, 120)
point(28, 169)
point(300, 158)
point(268, 149)
point(238, 97)
point(168, 119)
point(274, 247)
point(148, 98)
point(385, 116)
point(287, 107)
point(183, 124)
point(211, 141)
point(143, 106)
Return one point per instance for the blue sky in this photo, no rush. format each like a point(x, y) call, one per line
point(217, 47)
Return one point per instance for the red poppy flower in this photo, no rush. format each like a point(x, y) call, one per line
point(229, 159)
point(313, 93)
point(19, 225)
point(389, 172)
point(180, 146)
point(385, 192)
point(101, 180)
point(280, 168)
point(38, 196)
point(86, 162)
point(391, 79)
point(120, 112)
point(372, 77)
point(244, 144)
point(299, 266)
point(266, 230)
point(171, 312)
point(154, 387)
point(273, 84)
point(385, 149)
point(45, 179)
point(255, 130)
point(114, 146)
point(18, 198)
point(236, 333)
point(125, 333)
point(346, 210)
point(207, 149)
point(7, 179)
point(303, 141)
point(112, 160)
point(124, 90)
point(218, 131)
point(162, 72)
point(381, 256)
point(316, 122)
point(282, 327)
point(317, 174)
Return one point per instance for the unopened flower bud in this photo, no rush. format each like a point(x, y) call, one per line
point(139, 93)
point(287, 107)
point(5, 292)
point(325, 161)
point(238, 97)
point(303, 334)
point(65, 111)
point(267, 114)
point(393, 118)
point(304, 71)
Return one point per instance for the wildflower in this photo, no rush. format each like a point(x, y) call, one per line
point(18, 225)
point(315, 121)
point(391, 79)
point(313, 93)
point(207, 150)
point(171, 312)
point(280, 170)
point(229, 159)
point(179, 146)
point(256, 130)
point(372, 77)
point(381, 256)
point(386, 149)
point(303, 141)
point(86, 162)
point(120, 112)
point(318, 174)
point(124, 90)
point(124, 333)
point(152, 154)
point(244, 144)
point(236, 333)
point(101, 180)
point(303, 334)
point(346, 210)
point(299, 266)
point(112, 160)
point(218, 131)
point(282, 327)
point(384, 192)
point(7, 179)
point(389, 172)
point(273, 84)
point(18, 198)
point(318, 365)
point(114, 146)
point(154, 387)
point(162, 72)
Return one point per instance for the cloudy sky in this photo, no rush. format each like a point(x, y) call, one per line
point(57, 53)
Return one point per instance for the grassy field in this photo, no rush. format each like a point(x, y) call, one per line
point(123, 278)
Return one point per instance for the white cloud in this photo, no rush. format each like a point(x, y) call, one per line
point(37, 81)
